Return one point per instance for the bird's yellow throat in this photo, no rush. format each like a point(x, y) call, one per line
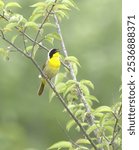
point(55, 60)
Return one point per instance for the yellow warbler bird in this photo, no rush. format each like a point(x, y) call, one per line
point(50, 68)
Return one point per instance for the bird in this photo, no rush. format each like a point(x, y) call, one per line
point(50, 68)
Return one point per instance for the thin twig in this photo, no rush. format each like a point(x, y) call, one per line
point(41, 26)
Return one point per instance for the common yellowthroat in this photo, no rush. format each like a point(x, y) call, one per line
point(50, 68)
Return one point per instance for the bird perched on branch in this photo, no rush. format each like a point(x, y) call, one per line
point(50, 68)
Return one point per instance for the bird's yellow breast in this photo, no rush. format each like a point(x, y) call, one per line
point(54, 62)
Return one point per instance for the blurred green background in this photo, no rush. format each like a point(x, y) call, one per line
point(93, 35)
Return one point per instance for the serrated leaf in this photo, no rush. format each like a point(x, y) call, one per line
point(70, 3)
point(61, 144)
point(73, 59)
point(84, 89)
point(48, 24)
point(71, 82)
point(34, 17)
point(69, 89)
point(103, 109)
point(91, 129)
point(61, 6)
point(31, 24)
point(100, 115)
point(39, 4)
point(62, 13)
point(88, 83)
point(12, 4)
point(82, 141)
point(49, 39)
point(91, 97)
point(70, 124)
point(53, 36)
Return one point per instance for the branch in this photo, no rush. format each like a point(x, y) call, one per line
point(90, 117)
point(52, 86)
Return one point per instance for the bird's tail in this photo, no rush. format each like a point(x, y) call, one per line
point(41, 89)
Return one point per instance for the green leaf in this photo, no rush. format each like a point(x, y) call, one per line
point(100, 115)
point(49, 39)
point(29, 48)
point(109, 128)
point(10, 26)
point(71, 82)
point(59, 78)
point(4, 53)
point(31, 24)
point(14, 38)
point(91, 97)
point(1, 4)
point(82, 141)
point(103, 109)
point(53, 36)
point(62, 13)
point(34, 17)
point(91, 129)
point(84, 89)
point(12, 4)
point(48, 24)
point(39, 4)
point(79, 112)
point(72, 97)
point(61, 144)
point(61, 6)
point(70, 124)
point(73, 59)
point(36, 47)
point(60, 87)
point(109, 122)
point(71, 3)
point(88, 83)
point(70, 89)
